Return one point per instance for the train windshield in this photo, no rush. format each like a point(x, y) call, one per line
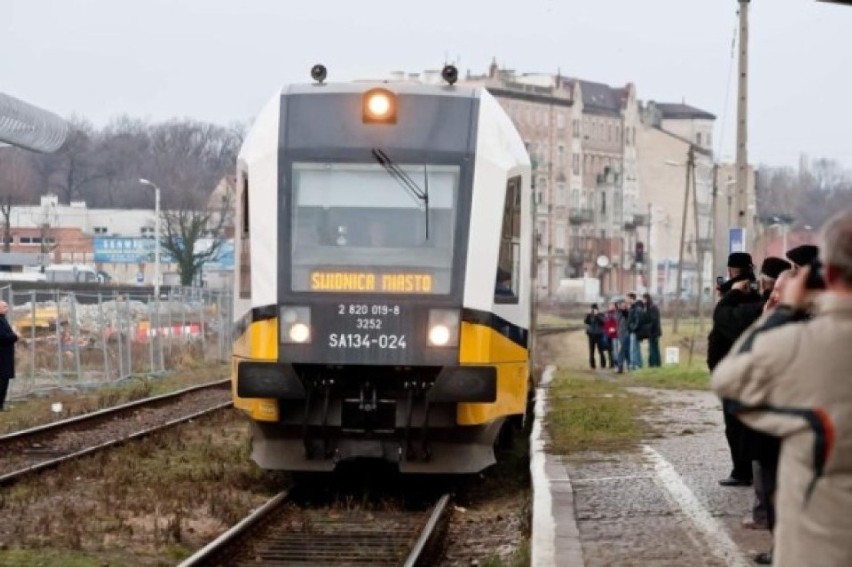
point(355, 228)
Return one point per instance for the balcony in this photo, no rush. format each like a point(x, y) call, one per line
point(578, 215)
point(632, 222)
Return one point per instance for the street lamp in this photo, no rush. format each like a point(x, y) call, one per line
point(156, 235)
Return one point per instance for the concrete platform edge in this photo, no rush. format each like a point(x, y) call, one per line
point(555, 536)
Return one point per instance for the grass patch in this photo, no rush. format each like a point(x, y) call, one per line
point(521, 557)
point(547, 319)
point(23, 557)
point(589, 413)
point(36, 411)
point(684, 377)
point(149, 502)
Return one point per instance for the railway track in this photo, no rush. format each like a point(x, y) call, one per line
point(277, 534)
point(31, 450)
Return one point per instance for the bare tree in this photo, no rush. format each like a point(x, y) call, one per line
point(185, 228)
point(71, 169)
point(16, 180)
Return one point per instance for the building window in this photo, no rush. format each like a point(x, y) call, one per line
point(561, 195)
point(576, 126)
point(576, 164)
point(698, 138)
point(575, 198)
point(708, 139)
point(507, 287)
point(561, 155)
point(100, 230)
point(560, 120)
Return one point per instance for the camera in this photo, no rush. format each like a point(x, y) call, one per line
point(725, 286)
point(815, 278)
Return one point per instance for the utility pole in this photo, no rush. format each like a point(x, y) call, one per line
point(742, 121)
point(690, 170)
point(649, 270)
point(714, 234)
point(699, 254)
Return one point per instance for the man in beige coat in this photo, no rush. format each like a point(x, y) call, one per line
point(793, 378)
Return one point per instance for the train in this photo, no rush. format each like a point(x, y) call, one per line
point(384, 284)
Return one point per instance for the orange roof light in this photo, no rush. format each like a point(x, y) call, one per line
point(379, 106)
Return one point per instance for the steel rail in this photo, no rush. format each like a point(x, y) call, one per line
point(329, 546)
point(429, 531)
point(14, 476)
point(95, 415)
point(236, 532)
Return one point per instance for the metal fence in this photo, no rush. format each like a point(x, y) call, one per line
point(75, 340)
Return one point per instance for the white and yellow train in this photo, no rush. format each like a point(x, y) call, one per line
point(383, 292)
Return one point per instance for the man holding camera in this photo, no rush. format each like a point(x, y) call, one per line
point(789, 376)
point(730, 320)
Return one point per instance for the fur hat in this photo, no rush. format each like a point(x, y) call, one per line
point(803, 255)
point(740, 260)
point(772, 267)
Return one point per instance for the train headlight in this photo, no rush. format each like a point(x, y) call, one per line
point(444, 327)
point(379, 106)
point(295, 324)
point(299, 333)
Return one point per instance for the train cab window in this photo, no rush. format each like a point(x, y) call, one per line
point(245, 242)
point(509, 260)
point(358, 218)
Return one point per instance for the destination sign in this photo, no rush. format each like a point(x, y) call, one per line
point(370, 282)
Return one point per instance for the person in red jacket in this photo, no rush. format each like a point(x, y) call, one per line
point(610, 333)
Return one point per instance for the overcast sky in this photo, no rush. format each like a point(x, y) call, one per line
point(220, 60)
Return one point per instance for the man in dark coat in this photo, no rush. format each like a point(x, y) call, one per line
point(760, 447)
point(654, 331)
point(8, 338)
point(730, 320)
point(595, 333)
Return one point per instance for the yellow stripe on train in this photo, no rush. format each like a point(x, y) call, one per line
point(480, 344)
point(258, 342)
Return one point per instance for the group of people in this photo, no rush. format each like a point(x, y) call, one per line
point(616, 335)
point(780, 357)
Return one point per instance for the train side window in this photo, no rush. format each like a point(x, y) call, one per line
point(508, 262)
point(245, 242)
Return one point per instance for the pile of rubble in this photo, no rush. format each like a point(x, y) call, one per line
point(91, 318)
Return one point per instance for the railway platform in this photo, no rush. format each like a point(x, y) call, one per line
point(658, 504)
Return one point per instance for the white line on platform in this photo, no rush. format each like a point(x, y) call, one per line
point(544, 528)
point(714, 534)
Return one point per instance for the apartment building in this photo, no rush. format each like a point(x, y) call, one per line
point(581, 137)
point(668, 135)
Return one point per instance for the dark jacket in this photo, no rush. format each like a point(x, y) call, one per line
point(731, 317)
point(8, 338)
point(594, 324)
point(634, 320)
point(656, 330)
point(623, 319)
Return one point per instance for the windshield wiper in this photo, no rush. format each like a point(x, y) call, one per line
point(406, 181)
